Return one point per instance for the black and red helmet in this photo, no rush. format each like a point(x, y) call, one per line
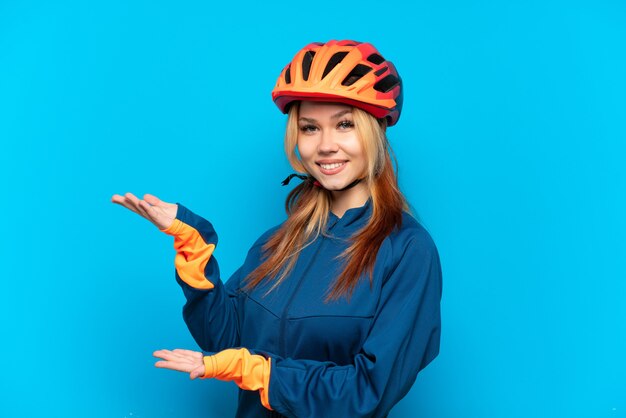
point(349, 72)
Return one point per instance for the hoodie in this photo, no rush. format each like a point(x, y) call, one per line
point(292, 353)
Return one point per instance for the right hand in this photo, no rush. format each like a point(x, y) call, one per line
point(161, 214)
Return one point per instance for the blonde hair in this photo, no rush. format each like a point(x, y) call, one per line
point(308, 206)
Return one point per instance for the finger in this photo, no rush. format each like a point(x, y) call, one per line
point(194, 354)
point(131, 200)
point(174, 365)
point(148, 210)
point(130, 196)
point(160, 353)
point(123, 201)
point(165, 354)
point(135, 202)
point(168, 209)
point(153, 200)
point(168, 355)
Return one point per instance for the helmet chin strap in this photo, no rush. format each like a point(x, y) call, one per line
point(317, 183)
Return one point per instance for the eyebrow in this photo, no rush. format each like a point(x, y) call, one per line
point(335, 116)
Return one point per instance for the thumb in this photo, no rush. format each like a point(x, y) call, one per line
point(197, 372)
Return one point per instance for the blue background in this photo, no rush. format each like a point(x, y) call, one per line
point(511, 148)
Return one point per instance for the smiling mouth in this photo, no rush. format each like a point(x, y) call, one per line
point(331, 166)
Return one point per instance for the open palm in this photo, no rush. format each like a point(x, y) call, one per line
point(182, 361)
point(160, 213)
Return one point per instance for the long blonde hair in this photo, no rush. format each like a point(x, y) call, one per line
point(308, 206)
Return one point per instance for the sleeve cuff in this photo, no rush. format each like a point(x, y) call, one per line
point(248, 371)
point(174, 228)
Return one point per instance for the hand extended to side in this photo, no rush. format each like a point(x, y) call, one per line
point(160, 213)
point(182, 361)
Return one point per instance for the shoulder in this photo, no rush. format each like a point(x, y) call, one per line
point(413, 237)
point(413, 259)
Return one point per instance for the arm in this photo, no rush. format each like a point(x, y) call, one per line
point(210, 309)
point(403, 339)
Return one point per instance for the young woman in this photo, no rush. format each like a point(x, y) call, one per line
point(336, 310)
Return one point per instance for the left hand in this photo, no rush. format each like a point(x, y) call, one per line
point(160, 213)
point(181, 360)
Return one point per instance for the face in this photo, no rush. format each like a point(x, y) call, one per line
point(329, 146)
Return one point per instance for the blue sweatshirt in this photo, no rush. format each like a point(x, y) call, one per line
point(342, 358)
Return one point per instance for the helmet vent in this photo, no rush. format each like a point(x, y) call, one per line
point(387, 83)
point(355, 75)
point(288, 75)
point(376, 59)
point(381, 71)
point(306, 64)
point(333, 61)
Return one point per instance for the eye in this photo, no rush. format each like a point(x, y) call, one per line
point(308, 128)
point(345, 124)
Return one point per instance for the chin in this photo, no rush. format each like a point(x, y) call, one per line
point(334, 185)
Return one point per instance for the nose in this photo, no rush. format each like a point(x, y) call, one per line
point(328, 143)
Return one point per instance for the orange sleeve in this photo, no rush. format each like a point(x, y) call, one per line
point(192, 254)
point(248, 371)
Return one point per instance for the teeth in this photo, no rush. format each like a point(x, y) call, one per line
point(331, 166)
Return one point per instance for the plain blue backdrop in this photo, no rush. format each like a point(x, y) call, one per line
point(511, 149)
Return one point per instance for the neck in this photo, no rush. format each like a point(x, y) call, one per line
point(348, 199)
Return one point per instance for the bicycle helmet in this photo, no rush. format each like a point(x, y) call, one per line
point(348, 72)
